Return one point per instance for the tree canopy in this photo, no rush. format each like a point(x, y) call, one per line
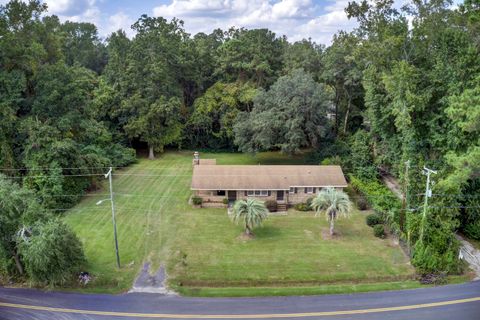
point(397, 93)
point(291, 115)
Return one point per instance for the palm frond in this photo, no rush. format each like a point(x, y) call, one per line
point(330, 200)
point(250, 213)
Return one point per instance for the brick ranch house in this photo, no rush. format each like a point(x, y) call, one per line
point(286, 184)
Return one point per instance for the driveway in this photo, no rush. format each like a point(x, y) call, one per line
point(445, 302)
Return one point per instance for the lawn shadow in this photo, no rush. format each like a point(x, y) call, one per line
point(267, 232)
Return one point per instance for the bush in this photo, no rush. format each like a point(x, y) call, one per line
point(225, 200)
point(380, 199)
point(197, 200)
point(428, 259)
point(271, 205)
point(362, 203)
point(472, 230)
point(373, 219)
point(52, 253)
point(302, 207)
point(335, 160)
point(379, 231)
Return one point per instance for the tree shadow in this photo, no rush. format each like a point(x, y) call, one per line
point(267, 232)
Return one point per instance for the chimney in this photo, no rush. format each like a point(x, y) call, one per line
point(196, 158)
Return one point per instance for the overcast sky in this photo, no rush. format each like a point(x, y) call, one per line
point(297, 19)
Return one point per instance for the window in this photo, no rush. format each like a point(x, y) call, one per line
point(257, 193)
point(292, 190)
point(309, 190)
point(220, 192)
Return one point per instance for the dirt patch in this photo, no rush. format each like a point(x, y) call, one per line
point(327, 236)
point(245, 237)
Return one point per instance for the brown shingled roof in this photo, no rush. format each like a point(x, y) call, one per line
point(274, 177)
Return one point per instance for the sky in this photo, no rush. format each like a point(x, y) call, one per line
point(297, 19)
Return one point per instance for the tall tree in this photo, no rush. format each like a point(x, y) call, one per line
point(214, 114)
point(152, 93)
point(289, 116)
point(306, 55)
point(157, 124)
point(342, 72)
point(82, 46)
point(254, 55)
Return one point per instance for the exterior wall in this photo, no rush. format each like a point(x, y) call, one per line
point(299, 197)
point(210, 198)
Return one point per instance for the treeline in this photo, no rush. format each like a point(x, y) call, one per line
point(403, 86)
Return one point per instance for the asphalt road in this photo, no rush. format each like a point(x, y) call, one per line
point(445, 302)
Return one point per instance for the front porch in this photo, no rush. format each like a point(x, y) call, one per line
point(226, 198)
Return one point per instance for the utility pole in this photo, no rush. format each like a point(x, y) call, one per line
point(428, 194)
point(405, 197)
point(109, 176)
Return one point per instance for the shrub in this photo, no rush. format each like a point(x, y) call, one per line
point(373, 219)
point(302, 207)
point(271, 205)
point(379, 231)
point(335, 160)
point(380, 199)
point(197, 200)
point(428, 259)
point(472, 230)
point(362, 203)
point(52, 253)
point(225, 200)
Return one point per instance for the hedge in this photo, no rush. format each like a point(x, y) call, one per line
point(381, 199)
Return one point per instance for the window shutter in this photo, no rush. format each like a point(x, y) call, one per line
point(296, 189)
point(314, 190)
point(305, 191)
point(269, 193)
point(246, 193)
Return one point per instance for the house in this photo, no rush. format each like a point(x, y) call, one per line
point(287, 184)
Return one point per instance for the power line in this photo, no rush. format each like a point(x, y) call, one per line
point(90, 168)
point(59, 175)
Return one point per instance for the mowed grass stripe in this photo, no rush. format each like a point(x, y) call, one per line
point(201, 247)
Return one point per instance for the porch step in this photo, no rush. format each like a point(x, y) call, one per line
point(281, 207)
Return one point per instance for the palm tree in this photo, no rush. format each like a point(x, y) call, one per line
point(250, 213)
point(334, 203)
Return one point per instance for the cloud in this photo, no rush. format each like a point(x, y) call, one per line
point(75, 10)
point(297, 19)
point(323, 27)
point(69, 7)
point(120, 20)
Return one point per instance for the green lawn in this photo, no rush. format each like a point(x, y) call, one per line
point(200, 247)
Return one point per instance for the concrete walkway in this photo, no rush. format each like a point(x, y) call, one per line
point(151, 283)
